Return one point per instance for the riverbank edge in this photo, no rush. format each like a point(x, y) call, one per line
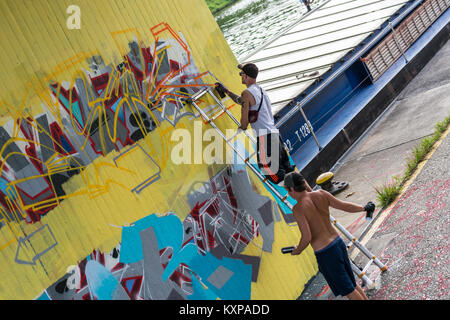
point(228, 4)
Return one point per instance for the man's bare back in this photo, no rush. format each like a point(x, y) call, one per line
point(313, 218)
point(314, 207)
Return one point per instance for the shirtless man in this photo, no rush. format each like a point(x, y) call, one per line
point(313, 218)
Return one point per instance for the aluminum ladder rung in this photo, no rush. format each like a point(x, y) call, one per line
point(358, 244)
point(233, 136)
point(250, 156)
point(199, 94)
point(362, 274)
point(208, 90)
point(369, 263)
point(216, 116)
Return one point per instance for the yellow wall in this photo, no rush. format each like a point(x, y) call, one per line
point(39, 49)
point(35, 39)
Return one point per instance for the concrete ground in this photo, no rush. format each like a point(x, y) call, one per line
point(411, 236)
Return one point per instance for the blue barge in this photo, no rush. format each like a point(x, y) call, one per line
point(340, 66)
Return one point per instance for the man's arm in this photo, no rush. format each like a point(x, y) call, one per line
point(304, 230)
point(342, 205)
point(234, 97)
point(246, 102)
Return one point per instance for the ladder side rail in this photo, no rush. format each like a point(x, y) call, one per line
point(358, 244)
point(232, 117)
point(362, 276)
point(228, 141)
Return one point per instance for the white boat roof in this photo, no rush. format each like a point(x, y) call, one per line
point(290, 62)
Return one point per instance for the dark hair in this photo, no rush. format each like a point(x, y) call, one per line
point(249, 69)
point(295, 180)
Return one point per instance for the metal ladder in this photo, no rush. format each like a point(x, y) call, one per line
point(353, 241)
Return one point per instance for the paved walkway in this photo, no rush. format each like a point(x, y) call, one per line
point(412, 239)
point(411, 236)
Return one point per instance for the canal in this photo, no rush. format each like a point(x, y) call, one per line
point(248, 24)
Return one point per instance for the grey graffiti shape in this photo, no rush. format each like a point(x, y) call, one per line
point(23, 244)
point(153, 286)
point(178, 112)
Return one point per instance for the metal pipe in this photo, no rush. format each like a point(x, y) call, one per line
point(309, 125)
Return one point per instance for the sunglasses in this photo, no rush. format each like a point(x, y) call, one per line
point(241, 73)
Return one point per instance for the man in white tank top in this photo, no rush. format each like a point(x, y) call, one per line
point(257, 111)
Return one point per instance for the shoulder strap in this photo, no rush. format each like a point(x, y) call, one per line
point(262, 98)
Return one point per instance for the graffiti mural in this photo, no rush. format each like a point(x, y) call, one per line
point(162, 257)
point(109, 107)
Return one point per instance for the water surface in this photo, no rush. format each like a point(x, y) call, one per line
point(248, 24)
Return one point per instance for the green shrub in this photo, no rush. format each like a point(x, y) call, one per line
point(388, 192)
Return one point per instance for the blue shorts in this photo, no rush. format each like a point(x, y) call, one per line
point(335, 266)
